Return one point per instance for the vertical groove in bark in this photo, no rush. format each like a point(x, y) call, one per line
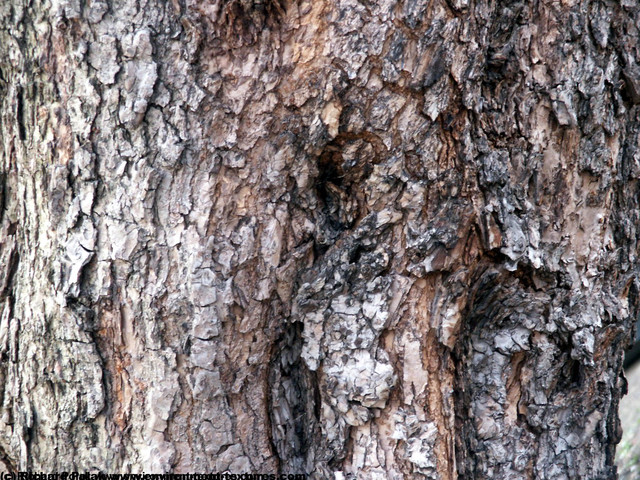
point(392, 239)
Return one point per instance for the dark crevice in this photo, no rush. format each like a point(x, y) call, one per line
point(240, 22)
point(3, 194)
point(11, 269)
point(343, 166)
point(319, 249)
point(85, 314)
point(293, 401)
point(357, 253)
point(20, 114)
point(493, 299)
point(525, 273)
point(574, 375)
point(3, 82)
point(317, 397)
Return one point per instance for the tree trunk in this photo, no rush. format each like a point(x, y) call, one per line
point(377, 240)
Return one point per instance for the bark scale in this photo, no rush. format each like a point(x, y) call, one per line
point(392, 239)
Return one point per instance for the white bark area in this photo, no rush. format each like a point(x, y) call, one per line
point(392, 239)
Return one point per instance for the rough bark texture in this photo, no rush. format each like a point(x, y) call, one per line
point(393, 239)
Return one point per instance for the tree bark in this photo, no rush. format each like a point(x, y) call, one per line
point(372, 240)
